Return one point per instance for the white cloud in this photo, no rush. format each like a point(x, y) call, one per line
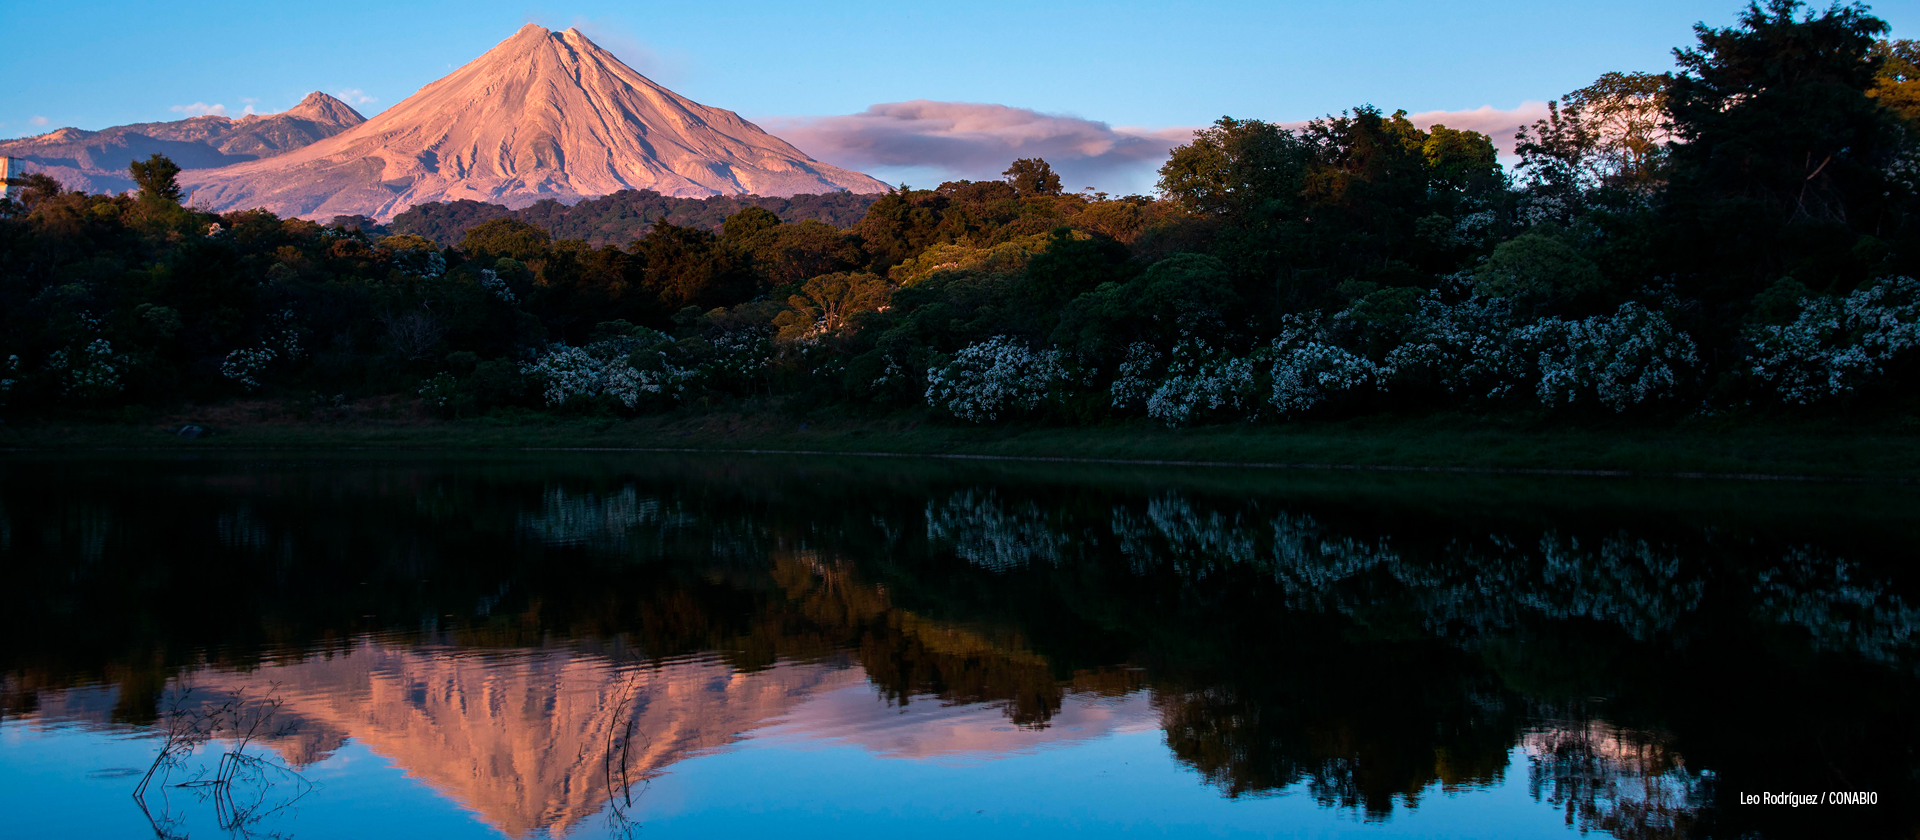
point(36, 120)
point(201, 109)
point(354, 96)
point(978, 140)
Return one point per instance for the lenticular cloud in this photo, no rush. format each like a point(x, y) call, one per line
point(978, 140)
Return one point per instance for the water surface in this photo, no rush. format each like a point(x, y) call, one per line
point(594, 645)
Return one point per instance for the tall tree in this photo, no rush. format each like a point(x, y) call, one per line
point(1031, 177)
point(158, 179)
point(1782, 156)
point(1235, 167)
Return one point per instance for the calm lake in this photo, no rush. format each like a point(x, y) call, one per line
point(372, 645)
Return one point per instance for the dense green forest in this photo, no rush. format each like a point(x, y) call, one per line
point(1736, 236)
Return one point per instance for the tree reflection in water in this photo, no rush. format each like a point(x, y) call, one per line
point(1628, 783)
point(1367, 641)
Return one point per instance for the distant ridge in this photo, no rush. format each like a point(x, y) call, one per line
point(96, 161)
point(542, 115)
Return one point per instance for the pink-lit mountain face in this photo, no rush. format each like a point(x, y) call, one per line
point(542, 115)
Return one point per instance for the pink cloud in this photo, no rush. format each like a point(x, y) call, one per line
point(1499, 124)
point(977, 141)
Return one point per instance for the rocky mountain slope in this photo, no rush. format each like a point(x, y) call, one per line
point(96, 161)
point(542, 115)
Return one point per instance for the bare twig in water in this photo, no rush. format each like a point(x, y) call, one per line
point(617, 760)
point(242, 785)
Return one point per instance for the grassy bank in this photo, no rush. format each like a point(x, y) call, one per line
point(1880, 448)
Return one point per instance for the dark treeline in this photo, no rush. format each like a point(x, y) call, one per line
point(1739, 233)
point(615, 219)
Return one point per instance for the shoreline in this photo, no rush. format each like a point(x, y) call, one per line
point(1757, 451)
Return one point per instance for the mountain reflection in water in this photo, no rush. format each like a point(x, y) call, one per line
point(536, 637)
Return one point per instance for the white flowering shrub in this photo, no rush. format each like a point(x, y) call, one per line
point(736, 359)
point(892, 374)
point(1623, 359)
point(992, 377)
point(1308, 368)
point(283, 336)
point(8, 371)
point(646, 376)
point(1202, 380)
point(91, 372)
point(1837, 345)
point(246, 366)
point(1136, 378)
point(1463, 348)
point(567, 373)
point(491, 282)
point(632, 370)
point(439, 391)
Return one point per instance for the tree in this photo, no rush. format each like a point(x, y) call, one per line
point(1611, 134)
point(747, 222)
point(1460, 159)
point(37, 187)
point(1627, 112)
point(792, 253)
point(687, 267)
point(1897, 85)
point(826, 303)
point(510, 238)
point(1783, 157)
point(1031, 177)
point(1235, 167)
point(157, 177)
point(1542, 276)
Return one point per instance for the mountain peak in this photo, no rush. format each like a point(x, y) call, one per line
point(322, 108)
point(540, 115)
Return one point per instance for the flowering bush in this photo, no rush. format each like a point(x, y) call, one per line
point(631, 369)
point(1624, 359)
point(284, 336)
point(245, 366)
point(7, 371)
point(1836, 345)
point(1135, 380)
point(1462, 348)
point(440, 390)
point(644, 376)
point(1308, 368)
point(567, 372)
point(735, 359)
point(495, 286)
point(1202, 380)
point(990, 377)
point(91, 372)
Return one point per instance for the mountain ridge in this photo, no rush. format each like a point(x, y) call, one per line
point(541, 115)
point(96, 161)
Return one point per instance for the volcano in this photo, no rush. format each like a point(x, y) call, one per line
point(542, 115)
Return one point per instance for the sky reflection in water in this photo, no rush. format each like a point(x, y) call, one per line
point(589, 646)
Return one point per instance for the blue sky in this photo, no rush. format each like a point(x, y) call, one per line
point(1148, 65)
